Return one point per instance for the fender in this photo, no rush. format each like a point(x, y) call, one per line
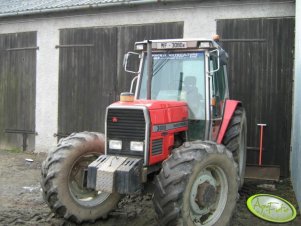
point(230, 107)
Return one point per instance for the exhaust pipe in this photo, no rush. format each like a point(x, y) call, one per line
point(149, 70)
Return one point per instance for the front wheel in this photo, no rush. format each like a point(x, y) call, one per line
point(198, 185)
point(63, 179)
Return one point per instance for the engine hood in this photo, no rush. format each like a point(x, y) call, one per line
point(151, 104)
point(161, 112)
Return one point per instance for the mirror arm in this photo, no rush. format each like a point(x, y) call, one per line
point(132, 83)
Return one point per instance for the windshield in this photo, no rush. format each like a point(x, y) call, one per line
point(177, 76)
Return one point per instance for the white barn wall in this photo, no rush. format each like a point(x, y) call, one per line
point(296, 125)
point(199, 21)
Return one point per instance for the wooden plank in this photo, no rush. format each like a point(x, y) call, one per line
point(266, 173)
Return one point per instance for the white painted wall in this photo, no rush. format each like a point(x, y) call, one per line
point(296, 126)
point(199, 21)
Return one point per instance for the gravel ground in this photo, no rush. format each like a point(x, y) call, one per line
point(21, 200)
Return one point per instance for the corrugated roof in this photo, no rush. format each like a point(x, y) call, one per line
point(15, 7)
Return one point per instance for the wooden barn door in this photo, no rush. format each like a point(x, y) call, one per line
point(86, 78)
point(90, 72)
point(261, 76)
point(17, 90)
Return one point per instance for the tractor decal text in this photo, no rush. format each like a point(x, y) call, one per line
point(170, 126)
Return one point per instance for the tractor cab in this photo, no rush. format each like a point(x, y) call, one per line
point(193, 71)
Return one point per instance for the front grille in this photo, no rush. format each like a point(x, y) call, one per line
point(157, 147)
point(126, 125)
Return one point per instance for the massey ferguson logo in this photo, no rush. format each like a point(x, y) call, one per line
point(114, 119)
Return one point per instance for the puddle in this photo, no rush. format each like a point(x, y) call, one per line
point(32, 188)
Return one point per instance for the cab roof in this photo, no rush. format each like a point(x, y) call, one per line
point(182, 44)
point(192, 43)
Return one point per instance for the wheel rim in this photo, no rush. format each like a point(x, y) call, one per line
point(82, 195)
point(208, 196)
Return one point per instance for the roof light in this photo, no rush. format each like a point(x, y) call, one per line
point(205, 45)
point(139, 47)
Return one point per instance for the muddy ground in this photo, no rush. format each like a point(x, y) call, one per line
point(21, 201)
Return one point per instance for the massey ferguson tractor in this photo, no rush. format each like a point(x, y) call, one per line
point(178, 130)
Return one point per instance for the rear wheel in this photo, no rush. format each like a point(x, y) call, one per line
point(63, 179)
point(235, 140)
point(198, 185)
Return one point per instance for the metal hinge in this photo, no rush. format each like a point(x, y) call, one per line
point(74, 46)
point(23, 48)
point(243, 40)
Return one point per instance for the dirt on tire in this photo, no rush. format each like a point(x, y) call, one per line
point(21, 201)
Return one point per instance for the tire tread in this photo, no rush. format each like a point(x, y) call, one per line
point(51, 168)
point(170, 183)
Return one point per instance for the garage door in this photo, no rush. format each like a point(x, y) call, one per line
point(261, 75)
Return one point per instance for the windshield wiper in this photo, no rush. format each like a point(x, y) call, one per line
point(159, 67)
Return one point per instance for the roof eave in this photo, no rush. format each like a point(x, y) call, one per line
point(81, 7)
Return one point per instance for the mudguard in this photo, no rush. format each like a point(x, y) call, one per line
point(230, 107)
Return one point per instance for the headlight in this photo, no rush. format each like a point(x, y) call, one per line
point(115, 144)
point(137, 146)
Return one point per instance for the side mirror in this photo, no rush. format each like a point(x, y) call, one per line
point(131, 62)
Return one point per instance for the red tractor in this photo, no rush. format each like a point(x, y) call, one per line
point(179, 130)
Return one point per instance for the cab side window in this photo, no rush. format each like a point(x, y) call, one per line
point(219, 89)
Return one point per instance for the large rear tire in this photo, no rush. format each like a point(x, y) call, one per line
point(63, 175)
point(235, 140)
point(198, 185)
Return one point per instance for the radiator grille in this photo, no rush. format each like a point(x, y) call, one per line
point(157, 147)
point(126, 125)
